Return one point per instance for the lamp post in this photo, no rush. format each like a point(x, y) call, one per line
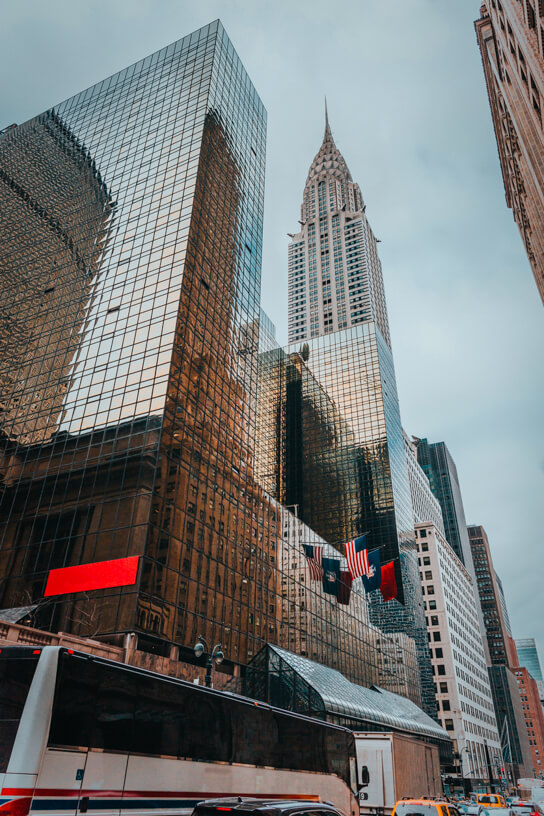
point(466, 787)
point(215, 656)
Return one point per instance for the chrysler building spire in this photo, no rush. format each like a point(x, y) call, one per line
point(329, 161)
point(335, 275)
point(328, 134)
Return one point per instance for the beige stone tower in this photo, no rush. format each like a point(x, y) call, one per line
point(511, 38)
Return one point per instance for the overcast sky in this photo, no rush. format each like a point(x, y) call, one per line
point(408, 109)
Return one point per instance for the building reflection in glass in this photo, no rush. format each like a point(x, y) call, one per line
point(341, 636)
point(330, 441)
point(56, 216)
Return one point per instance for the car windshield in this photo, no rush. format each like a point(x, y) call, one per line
point(408, 809)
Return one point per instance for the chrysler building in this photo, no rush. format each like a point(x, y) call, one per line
point(335, 274)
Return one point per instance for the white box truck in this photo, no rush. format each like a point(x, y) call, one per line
point(398, 766)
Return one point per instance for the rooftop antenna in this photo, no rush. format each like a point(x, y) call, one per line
point(328, 133)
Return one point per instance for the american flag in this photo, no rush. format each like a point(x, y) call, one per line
point(314, 559)
point(357, 557)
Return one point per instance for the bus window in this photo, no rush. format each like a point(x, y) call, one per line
point(115, 709)
point(339, 745)
point(74, 704)
point(301, 744)
point(16, 675)
point(255, 735)
point(206, 732)
point(110, 707)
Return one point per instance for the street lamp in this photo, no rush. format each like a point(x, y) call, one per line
point(215, 656)
point(467, 785)
point(469, 756)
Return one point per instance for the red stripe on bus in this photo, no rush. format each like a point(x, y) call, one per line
point(86, 577)
point(17, 807)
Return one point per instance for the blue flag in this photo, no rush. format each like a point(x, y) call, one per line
point(331, 576)
point(373, 579)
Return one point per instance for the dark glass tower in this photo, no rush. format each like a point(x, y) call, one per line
point(503, 657)
point(528, 657)
point(131, 218)
point(439, 467)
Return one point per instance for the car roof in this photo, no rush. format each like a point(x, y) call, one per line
point(422, 802)
point(269, 805)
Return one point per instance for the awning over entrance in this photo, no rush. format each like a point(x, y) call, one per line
point(290, 681)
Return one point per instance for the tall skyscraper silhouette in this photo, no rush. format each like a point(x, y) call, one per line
point(348, 472)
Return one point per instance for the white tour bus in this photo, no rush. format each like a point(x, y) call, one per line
point(84, 735)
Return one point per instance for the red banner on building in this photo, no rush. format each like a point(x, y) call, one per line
point(100, 575)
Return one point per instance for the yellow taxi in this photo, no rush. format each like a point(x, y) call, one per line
point(491, 800)
point(424, 807)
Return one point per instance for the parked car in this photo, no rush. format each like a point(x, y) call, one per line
point(526, 809)
point(491, 800)
point(494, 810)
point(264, 807)
point(425, 807)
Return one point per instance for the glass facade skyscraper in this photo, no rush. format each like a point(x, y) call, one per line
point(528, 657)
point(441, 471)
point(503, 657)
point(330, 443)
point(131, 216)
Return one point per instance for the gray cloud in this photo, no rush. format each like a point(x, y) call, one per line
point(408, 108)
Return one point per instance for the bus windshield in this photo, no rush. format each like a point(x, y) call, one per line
point(16, 673)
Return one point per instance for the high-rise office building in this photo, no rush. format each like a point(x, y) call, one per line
point(500, 643)
point(425, 505)
point(534, 717)
point(131, 219)
point(341, 467)
point(504, 610)
point(331, 439)
point(502, 656)
point(465, 702)
point(510, 34)
point(438, 465)
point(528, 657)
point(335, 274)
